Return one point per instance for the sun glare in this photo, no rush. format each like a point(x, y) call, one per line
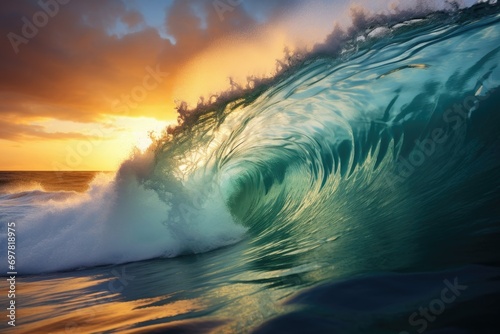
point(136, 131)
point(143, 141)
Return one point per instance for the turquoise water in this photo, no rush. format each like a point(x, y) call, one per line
point(350, 194)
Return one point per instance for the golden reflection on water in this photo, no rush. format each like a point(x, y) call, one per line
point(85, 305)
point(63, 306)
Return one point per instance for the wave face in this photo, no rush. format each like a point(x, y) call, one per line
point(382, 157)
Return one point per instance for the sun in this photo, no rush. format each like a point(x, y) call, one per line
point(136, 131)
point(143, 141)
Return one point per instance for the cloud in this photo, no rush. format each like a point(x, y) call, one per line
point(133, 19)
point(92, 53)
point(22, 132)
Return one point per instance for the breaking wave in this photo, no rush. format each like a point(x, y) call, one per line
point(384, 140)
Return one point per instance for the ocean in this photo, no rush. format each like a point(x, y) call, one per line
point(356, 192)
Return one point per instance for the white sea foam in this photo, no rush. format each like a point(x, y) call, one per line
point(117, 221)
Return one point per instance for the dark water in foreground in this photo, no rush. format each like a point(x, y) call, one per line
point(357, 194)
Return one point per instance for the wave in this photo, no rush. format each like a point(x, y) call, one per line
point(384, 130)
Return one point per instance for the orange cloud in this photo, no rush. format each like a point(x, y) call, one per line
point(93, 60)
point(74, 68)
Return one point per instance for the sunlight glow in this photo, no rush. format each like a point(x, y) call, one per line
point(135, 131)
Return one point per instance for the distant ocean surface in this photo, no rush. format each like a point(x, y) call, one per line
point(358, 193)
point(15, 182)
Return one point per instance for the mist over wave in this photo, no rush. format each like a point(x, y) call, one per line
point(117, 220)
point(359, 139)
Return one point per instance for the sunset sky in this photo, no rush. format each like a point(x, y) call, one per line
point(82, 82)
